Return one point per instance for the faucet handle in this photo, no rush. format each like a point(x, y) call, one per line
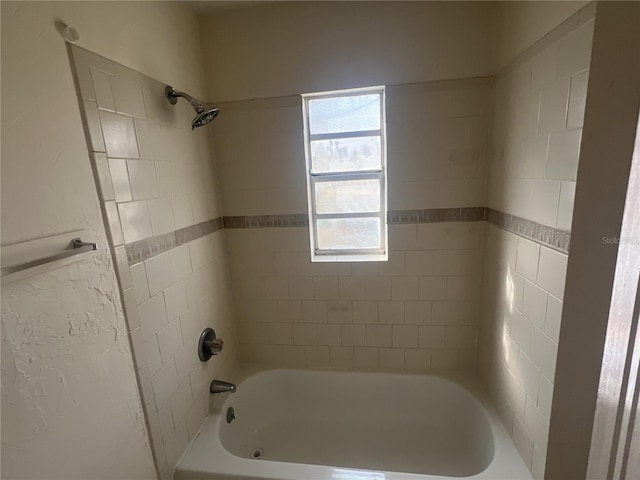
point(216, 346)
point(209, 344)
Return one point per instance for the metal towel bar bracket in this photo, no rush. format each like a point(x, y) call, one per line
point(78, 247)
point(78, 243)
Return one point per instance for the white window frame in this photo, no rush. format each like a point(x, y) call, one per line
point(346, 255)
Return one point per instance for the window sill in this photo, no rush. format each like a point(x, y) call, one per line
point(365, 257)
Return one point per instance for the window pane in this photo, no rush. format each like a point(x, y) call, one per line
point(344, 114)
point(346, 154)
point(348, 233)
point(348, 196)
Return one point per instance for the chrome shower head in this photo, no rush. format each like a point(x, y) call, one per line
point(204, 113)
point(204, 117)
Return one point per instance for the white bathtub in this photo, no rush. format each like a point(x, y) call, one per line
point(309, 425)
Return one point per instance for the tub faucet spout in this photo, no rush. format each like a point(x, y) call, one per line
point(218, 386)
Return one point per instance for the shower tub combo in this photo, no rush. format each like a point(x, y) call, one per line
point(321, 425)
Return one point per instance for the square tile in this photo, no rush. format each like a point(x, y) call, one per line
point(136, 221)
point(552, 271)
point(119, 135)
point(102, 88)
point(170, 341)
point(142, 175)
point(127, 96)
point(165, 383)
point(527, 258)
point(120, 180)
point(161, 212)
point(153, 316)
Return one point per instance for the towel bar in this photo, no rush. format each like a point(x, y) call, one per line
point(78, 246)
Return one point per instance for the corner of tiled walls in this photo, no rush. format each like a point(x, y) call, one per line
point(418, 311)
point(539, 104)
point(158, 191)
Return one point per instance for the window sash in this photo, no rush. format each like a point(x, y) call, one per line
point(377, 174)
point(381, 214)
point(341, 135)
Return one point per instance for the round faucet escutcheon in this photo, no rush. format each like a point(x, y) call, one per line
point(209, 344)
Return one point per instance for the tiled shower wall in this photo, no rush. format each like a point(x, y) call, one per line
point(537, 121)
point(157, 182)
point(416, 312)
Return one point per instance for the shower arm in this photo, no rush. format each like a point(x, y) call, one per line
point(172, 95)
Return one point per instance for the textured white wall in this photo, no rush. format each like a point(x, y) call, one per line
point(68, 383)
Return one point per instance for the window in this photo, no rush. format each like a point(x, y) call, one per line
point(345, 150)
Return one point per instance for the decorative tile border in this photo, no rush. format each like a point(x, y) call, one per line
point(267, 221)
point(150, 247)
point(434, 215)
point(551, 237)
point(394, 217)
point(554, 238)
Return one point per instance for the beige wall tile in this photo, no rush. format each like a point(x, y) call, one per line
point(318, 357)
point(127, 96)
point(165, 383)
point(392, 359)
point(562, 162)
point(391, 312)
point(136, 221)
point(153, 316)
point(431, 336)
point(102, 89)
point(93, 126)
point(405, 336)
point(341, 357)
point(577, 100)
point(534, 304)
point(365, 312)
point(432, 288)
point(543, 353)
point(161, 212)
point(552, 271)
point(119, 135)
point(159, 273)
point(379, 335)
point(417, 313)
point(554, 312)
point(139, 280)
point(181, 401)
point(314, 311)
point(170, 340)
point(527, 259)
point(444, 359)
point(305, 334)
point(142, 175)
point(329, 334)
point(120, 180)
point(366, 358)
point(353, 335)
point(553, 108)
point(152, 355)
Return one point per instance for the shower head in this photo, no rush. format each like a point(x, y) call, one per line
point(204, 113)
point(204, 117)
